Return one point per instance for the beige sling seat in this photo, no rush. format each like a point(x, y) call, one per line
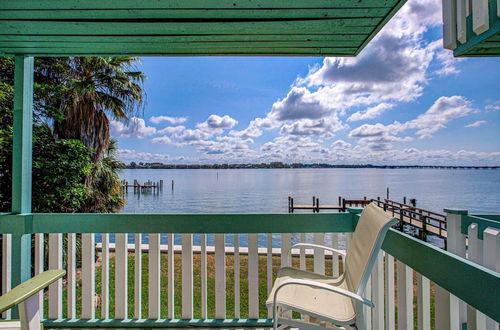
point(334, 300)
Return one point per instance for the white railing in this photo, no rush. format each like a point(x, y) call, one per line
point(481, 245)
point(118, 254)
point(216, 269)
point(455, 14)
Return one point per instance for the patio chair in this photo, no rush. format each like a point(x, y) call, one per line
point(328, 300)
point(25, 296)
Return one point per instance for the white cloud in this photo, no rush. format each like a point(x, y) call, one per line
point(133, 155)
point(441, 112)
point(494, 106)
point(168, 119)
point(217, 124)
point(135, 128)
point(300, 103)
point(476, 123)
point(341, 145)
point(162, 140)
point(370, 113)
point(172, 130)
point(324, 127)
point(380, 137)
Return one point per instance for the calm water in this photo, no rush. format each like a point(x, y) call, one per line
point(267, 190)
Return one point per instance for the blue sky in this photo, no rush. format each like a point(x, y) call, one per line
point(403, 100)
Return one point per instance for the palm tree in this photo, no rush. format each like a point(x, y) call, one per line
point(98, 87)
point(106, 191)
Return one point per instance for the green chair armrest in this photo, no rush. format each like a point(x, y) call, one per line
point(25, 290)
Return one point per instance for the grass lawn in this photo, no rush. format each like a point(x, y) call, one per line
point(196, 285)
point(210, 286)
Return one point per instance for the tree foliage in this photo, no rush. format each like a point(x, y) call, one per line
point(75, 168)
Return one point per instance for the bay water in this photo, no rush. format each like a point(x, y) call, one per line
point(267, 190)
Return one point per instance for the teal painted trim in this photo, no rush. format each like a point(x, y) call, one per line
point(157, 323)
point(21, 166)
point(355, 215)
point(476, 285)
point(456, 211)
point(473, 40)
point(15, 223)
point(483, 223)
point(355, 210)
point(494, 217)
point(183, 223)
point(22, 134)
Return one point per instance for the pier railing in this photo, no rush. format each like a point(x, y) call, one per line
point(427, 222)
point(225, 266)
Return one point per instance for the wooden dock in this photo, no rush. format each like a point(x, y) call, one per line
point(138, 188)
point(342, 206)
point(423, 222)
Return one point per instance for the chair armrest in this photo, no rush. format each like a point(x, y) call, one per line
point(26, 289)
point(324, 286)
point(316, 246)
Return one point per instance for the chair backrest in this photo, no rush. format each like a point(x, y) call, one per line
point(365, 246)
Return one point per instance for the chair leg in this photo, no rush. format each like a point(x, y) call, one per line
point(29, 314)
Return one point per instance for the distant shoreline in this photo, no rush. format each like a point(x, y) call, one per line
point(291, 166)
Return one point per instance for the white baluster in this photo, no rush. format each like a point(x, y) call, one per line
point(88, 276)
point(269, 270)
point(121, 276)
point(55, 289)
point(253, 277)
point(171, 280)
point(236, 267)
point(491, 259)
point(456, 245)
point(302, 258)
point(319, 254)
point(203, 275)
point(475, 319)
point(187, 276)
point(286, 243)
point(105, 277)
point(423, 302)
point(220, 277)
point(154, 276)
point(71, 276)
point(447, 310)
point(138, 276)
point(405, 296)
point(389, 297)
point(39, 267)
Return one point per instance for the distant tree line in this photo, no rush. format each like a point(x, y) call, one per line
point(156, 165)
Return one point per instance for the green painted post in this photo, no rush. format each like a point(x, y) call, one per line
point(21, 165)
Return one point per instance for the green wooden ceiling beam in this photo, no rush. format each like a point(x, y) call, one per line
point(327, 38)
point(234, 51)
point(193, 4)
point(210, 14)
point(361, 25)
point(178, 45)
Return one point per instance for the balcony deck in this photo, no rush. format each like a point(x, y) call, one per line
point(236, 296)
